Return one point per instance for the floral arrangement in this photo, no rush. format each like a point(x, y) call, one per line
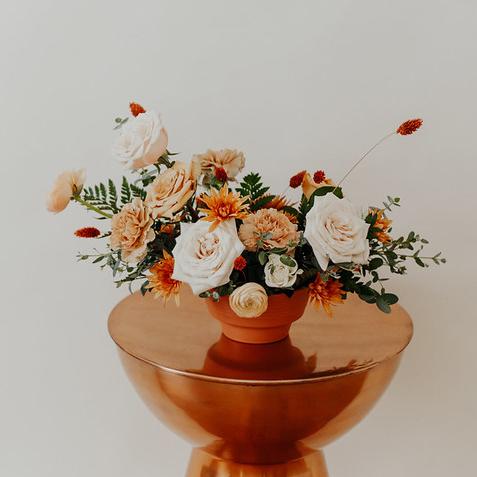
point(199, 224)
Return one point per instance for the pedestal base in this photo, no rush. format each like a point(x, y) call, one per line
point(203, 464)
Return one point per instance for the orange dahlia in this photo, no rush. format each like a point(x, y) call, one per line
point(223, 205)
point(382, 226)
point(325, 293)
point(160, 280)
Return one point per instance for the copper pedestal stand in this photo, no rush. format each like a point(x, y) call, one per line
point(258, 410)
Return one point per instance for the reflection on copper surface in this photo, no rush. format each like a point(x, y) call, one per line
point(258, 410)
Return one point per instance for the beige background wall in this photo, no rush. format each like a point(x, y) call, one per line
point(307, 84)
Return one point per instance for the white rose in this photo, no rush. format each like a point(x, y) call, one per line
point(336, 231)
point(205, 259)
point(141, 141)
point(249, 300)
point(279, 275)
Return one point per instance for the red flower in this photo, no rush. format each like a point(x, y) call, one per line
point(136, 109)
point(221, 174)
point(88, 232)
point(240, 263)
point(319, 176)
point(409, 127)
point(297, 179)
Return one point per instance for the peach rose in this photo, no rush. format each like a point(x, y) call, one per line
point(268, 229)
point(309, 185)
point(131, 231)
point(249, 300)
point(170, 191)
point(66, 185)
point(231, 160)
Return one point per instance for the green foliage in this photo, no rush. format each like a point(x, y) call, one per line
point(261, 202)
point(391, 202)
point(102, 196)
point(105, 197)
point(129, 191)
point(252, 187)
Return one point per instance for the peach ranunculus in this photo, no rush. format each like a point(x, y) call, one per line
point(249, 300)
point(309, 185)
point(142, 141)
point(170, 191)
point(67, 184)
point(131, 231)
point(230, 160)
point(268, 229)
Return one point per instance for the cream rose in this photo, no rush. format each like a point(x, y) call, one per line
point(249, 300)
point(66, 185)
point(170, 191)
point(336, 231)
point(141, 141)
point(131, 231)
point(205, 259)
point(280, 275)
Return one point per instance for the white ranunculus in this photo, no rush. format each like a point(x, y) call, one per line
point(141, 141)
point(279, 275)
point(336, 231)
point(205, 259)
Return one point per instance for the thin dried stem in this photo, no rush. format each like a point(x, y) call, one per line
point(361, 159)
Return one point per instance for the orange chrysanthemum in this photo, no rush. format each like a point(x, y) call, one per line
point(161, 282)
point(325, 293)
point(408, 127)
point(297, 179)
point(382, 225)
point(279, 202)
point(136, 109)
point(88, 232)
point(240, 263)
point(223, 205)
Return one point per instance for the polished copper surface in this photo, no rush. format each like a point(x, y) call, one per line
point(258, 410)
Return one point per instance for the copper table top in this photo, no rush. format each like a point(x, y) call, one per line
point(186, 340)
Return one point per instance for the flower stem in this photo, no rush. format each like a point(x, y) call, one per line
point(361, 159)
point(89, 206)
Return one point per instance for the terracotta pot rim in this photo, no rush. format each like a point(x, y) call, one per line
point(272, 325)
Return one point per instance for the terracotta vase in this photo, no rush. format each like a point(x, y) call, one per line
point(273, 325)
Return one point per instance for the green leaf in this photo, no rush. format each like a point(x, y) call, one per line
point(252, 187)
point(382, 304)
point(262, 258)
point(390, 298)
point(288, 261)
point(261, 202)
point(375, 263)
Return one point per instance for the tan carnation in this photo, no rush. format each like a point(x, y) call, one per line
point(131, 231)
point(268, 229)
point(66, 185)
point(230, 160)
point(309, 185)
point(249, 300)
point(170, 191)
